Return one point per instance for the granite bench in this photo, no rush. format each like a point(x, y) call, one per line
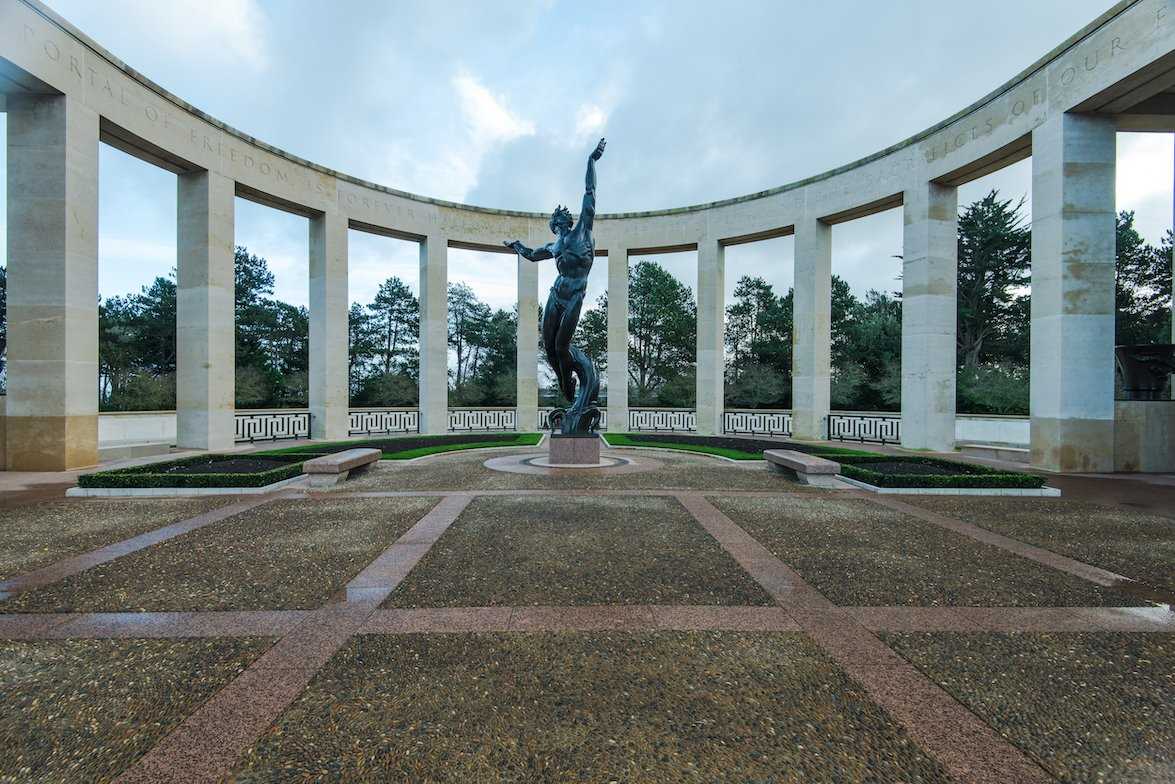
point(808, 469)
point(330, 470)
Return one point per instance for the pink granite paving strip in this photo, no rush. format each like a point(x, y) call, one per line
point(1040, 555)
point(970, 750)
point(597, 618)
point(28, 626)
point(372, 585)
point(1129, 619)
point(276, 623)
point(709, 617)
point(79, 563)
point(1025, 619)
point(911, 619)
point(440, 619)
point(249, 623)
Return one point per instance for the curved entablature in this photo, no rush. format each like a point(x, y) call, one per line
point(1121, 63)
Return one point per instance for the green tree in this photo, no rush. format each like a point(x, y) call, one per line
point(593, 334)
point(116, 350)
point(662, 337)
point(994, 250)
point(1142, 290)
point(758, 345)
point(395, 324)
point(468, 317)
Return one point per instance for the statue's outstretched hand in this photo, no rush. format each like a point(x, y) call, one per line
point(599, 151)
point(513, 244)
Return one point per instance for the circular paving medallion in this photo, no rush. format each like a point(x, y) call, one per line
point(539, 464)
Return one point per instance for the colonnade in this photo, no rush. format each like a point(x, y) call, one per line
point(63, 95)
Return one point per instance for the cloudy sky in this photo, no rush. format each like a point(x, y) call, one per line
point(498, 104)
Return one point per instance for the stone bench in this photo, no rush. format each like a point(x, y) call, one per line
point(808, 469)
point(330, 470)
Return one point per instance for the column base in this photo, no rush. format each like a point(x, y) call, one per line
point(51, 443)
point(1073, 445)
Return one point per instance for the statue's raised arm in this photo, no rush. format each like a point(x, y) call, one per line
point(588, 214)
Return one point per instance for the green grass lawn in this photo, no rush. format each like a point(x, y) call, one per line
point(636, 440)
point(450, 443)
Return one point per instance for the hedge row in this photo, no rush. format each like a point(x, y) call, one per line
point(969, 476)
point(724, 446)
point(150, 475)
point(397, 447)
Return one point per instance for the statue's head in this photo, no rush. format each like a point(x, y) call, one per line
point(561, 220)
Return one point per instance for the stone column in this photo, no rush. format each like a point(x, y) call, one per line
point(930, 266)
point(1072, 374)
point(434, 335)
point(811, 329)
point(329, 333)
point(205, 311)
point(527, 372)
point(617, 339)
point(711, 359)
point(52, 405)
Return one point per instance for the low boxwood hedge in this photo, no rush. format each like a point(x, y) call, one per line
point(968, 475)
point(154, 475)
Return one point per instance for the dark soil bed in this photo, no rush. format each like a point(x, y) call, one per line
point(203, 471)
point(891, 471)
point(234, 465)
point(903, 468)
point(393, 444)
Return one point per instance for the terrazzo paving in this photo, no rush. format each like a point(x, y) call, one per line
point(281, 556)
point(40, 534)
point(857, 553)
point(1090, 706)
point(83, 710)
point(1123, 540)
point(664, 707)
point(536, 550)
point(679, 624)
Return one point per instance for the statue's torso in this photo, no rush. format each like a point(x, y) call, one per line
point(574, 254)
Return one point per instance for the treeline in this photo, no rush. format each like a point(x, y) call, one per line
point(137, 334)
point(993, 331)
point(137, 346)
point(385, 349)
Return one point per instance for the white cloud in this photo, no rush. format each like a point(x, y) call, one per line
point(590, 121)
point(228, 33)
point(489, 120)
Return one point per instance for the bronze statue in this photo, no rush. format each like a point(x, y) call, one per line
point(573, 251)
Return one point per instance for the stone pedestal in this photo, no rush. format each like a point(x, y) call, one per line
point(574, 449)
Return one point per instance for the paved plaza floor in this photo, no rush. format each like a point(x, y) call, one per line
point(698, 620)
